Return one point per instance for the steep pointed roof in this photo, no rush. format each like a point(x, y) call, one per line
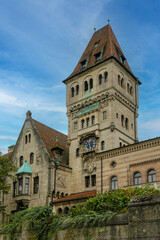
point(49, 137)
point(104, 42)
point(25, 168)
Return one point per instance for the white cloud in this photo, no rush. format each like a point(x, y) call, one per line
point(7, 138)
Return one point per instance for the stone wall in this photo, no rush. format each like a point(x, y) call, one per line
point(141, 222)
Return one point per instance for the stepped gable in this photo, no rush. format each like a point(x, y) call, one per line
point(103, 41)
point(49, 135)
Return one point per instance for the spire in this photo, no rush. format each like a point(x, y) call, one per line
point(102, 46)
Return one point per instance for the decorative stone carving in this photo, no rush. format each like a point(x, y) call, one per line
point(61, 180)
point(89, 165)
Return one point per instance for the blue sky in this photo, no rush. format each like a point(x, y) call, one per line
point(41, 41)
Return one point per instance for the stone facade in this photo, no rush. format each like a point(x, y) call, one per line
point(104, 152)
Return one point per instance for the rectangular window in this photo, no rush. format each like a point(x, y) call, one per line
point(27, 186)
point(36, 184)
point(93, 180)
point(14, 189)
point(20, 188)
point(104, 115)
point(87, 181)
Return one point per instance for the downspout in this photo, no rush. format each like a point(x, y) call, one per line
point(135, 113)
point(101, 175)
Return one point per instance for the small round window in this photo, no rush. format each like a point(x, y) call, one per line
point(113, 164)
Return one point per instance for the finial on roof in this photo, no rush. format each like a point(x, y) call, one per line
point(29, 114)
point(108, 21)
point(94, 29)
point(56, 139)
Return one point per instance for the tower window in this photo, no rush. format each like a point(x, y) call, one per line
point(102, 145)
point(77, 152)
point(106, 76)
point(119, 80)
point(93, 180)
point(87, 181)
point(122, 83)
point(77, 89)
point(31, 158)
point(83, 123)
point(72, 91)
point(91, 83)
point(122, 120)
point(85, 86)
point(137, 178)
point(104, 115)
point(21, 161)
point(131, 90)
point(128, 87)
point(100, 79)
point(88, 122)
point(114, 183)
point(93, 120)
point(126, 123)
point(36, 185)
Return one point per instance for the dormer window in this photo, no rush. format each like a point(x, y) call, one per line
point(84, 64)
point(96, 44)
point(97, 56)
point(122, 59)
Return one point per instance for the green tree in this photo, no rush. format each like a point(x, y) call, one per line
point(6, 171)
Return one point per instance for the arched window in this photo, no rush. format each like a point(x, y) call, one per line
point(126, 123)
point(88, 122)
point(102, 145)
point(58, 194)
point(77, 152)
point(93, 120)
point(91, 83)
point(131, 90)
point(77, 89)
point(60, 210)
point(100, 79)
point(85, 86)
point(106, 76)
point(122, 82)
point(137, 178)
point(151, 175)
point(21, 161)
point(120, 144)
point(62, 194)
point(83, 123)
point(128, 88)
point(26, 139)
point(114, 183)
point(29, 138)
point(122, 120)
point(31, 158)
point(72, 91)
point(119, 80)
point(66, 210)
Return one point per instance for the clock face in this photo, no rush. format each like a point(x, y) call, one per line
point(90, 144)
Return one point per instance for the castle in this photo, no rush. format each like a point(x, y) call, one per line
point(101, 151)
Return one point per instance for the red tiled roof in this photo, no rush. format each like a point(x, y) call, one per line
point(7, 154)
point(76, 196)
point(49, 135)
point(106, 40)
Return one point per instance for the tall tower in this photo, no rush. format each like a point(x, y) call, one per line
point(102, 106)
